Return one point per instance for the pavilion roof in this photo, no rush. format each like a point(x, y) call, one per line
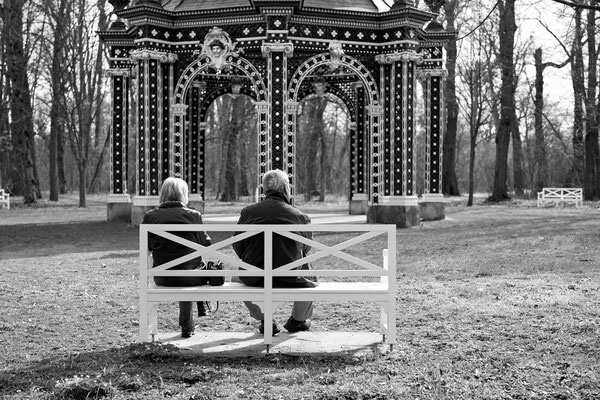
point(196, 5)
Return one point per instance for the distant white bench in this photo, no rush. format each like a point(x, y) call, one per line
point(560, 195)
point(4, 199)
point(356, 277)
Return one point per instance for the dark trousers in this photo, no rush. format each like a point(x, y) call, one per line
point(186, 314)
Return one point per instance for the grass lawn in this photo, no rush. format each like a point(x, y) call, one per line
point(495, 302)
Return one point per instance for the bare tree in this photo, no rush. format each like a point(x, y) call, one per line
point(578, 80)
point(82, 101)
point(591, 181)
point(24, 181)
point(507, 29)
point(452, 9)
point(476, 113)
point(540, 157)
point(231, 164)
point(57, 14)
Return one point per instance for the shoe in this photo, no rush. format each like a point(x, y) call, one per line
point(261, 328)
point(187, 334)
point(293, 325)
point(201, 309)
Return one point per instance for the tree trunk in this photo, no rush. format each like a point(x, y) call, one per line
point(99, 163)
point(577, 78)
point(20, 101)
point(57, 93)
point(231, 165)
point(507, 28)
point(591, 181)
point(473, 143)
point(60, 160)
point(5, 153)
point(540, 161)
point(324, 165)
point(517, 147)
point(449, 179)
point(314, 131)
point(52, 152)
point(82, 201)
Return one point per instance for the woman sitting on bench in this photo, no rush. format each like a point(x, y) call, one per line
point(173, 210)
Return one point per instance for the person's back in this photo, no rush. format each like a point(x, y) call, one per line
point(165, 250)
point(276, 209)
point(273, 210)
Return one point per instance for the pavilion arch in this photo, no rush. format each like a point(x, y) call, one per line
point(257, 91)
point(347, 101)
point(365, 113)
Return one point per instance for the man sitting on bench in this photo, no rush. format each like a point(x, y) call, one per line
point(276, 209)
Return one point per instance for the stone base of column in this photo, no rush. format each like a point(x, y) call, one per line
point(402, 216)
point(400, 210)
point(196, 202)
point(118, 208)
point(432, 207)
point(359, 204)
point(142, 204)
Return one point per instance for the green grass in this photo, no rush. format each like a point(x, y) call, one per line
point(495, 302)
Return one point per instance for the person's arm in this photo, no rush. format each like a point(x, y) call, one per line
point(307, 235)
point(152, 238)
point(240, 246)
point(201, 236)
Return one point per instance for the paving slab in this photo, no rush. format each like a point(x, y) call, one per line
point(243, 344)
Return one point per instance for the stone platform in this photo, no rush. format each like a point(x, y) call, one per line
point(244, 344)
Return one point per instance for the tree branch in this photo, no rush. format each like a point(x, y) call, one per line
point(575, 5)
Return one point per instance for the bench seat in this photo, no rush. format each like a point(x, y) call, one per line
point(235, 291)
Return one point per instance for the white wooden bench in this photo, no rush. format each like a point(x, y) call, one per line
point(558, 195)
point(4, 199)
point(377, 279)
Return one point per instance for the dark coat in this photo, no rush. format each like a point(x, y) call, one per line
point(164, 250)
point(275, 209)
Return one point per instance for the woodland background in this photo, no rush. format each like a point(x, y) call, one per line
point(522, 100)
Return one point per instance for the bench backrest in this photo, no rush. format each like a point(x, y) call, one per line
point(563, 192)
point(382, 236)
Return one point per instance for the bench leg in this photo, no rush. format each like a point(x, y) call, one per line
point(148, 321)
point(267, 310)
point(388, 323)
point(153, 319)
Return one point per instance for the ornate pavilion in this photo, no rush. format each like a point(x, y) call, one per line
point(173, 58)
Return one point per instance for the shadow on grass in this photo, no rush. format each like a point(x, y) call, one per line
point(147, 366)
point(22, 241)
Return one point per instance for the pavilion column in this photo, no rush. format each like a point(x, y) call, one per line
point(374, 152)
point(153, 68)
point(291, 124)
point(359, 168)
point(119, 201)
point(264, 165)
point(431, 206)
point(277, 54)
point(276, 49)
point(398, 202)
point(194, 147)
point(194, 139)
